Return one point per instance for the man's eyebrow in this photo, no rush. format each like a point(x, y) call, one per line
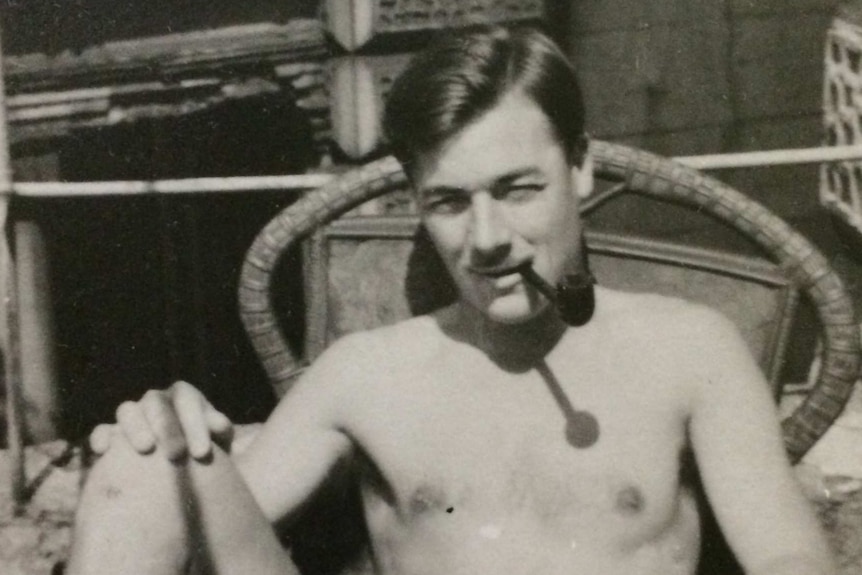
point(503, 179)
point(517, 174)
point(442, 190)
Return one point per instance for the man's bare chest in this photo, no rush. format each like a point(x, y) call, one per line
point(474, 449)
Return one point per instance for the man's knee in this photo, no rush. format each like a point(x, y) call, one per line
point(124, 482)
point(122, 470)
point(124, 485)
point(129, 513)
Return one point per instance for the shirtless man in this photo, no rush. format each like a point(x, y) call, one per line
point(494, 438)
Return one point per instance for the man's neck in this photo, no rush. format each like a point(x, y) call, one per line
point(513, 346)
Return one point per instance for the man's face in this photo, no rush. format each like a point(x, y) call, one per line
point(499, 193)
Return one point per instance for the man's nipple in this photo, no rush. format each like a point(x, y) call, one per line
point(629, 501)
point(425, 499)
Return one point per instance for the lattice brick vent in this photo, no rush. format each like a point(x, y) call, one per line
point(840, 182)
point(354, 22)
point(400, 15)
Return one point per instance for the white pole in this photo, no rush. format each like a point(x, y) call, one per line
point(299, 183)
point(772, 157)
point(9, 320)
point(290, 183)
point(37, 359)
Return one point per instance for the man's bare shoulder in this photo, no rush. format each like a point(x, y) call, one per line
point(360, 367)
point(380, 352)
point(684, 336)
point(681, 346)
point(674, 317)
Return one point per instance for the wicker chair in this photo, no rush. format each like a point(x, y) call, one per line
point(797, 267)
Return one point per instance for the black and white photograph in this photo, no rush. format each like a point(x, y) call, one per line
point(431, 287)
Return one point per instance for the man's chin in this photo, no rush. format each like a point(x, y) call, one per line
point(514, 310)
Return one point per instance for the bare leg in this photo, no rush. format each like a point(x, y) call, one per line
point(144, 514)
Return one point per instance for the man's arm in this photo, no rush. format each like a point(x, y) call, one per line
point(287, 459)
point(737, 442)
point(164, 496)
point(303, 439)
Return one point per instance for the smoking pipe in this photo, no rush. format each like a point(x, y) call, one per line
point(574, 297)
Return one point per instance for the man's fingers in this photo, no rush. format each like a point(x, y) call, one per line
point(100, 438)
point(179, 421)
point(191, 407)
point(217, 421)
point(135, 427)
point(220, 427)
point(159, 411)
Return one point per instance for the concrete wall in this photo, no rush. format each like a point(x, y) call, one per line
point(684, 77)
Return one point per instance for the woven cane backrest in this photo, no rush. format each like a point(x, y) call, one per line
point(631, 171)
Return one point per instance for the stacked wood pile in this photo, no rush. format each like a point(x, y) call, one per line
point(173, 75)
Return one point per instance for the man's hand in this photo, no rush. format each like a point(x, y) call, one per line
point(178, 420)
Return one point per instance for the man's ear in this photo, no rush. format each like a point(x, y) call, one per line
point(582, 176)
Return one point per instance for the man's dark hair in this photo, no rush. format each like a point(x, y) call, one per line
point(464, 75)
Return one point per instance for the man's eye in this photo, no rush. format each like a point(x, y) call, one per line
point(521, 192)
point(446, 204)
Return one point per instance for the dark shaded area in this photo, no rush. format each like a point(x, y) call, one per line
point(424, 296)
point(582, 427)
point(144, 287)
point(558, 18)
point(331, 537)
point(716, 557)
point(49, 26)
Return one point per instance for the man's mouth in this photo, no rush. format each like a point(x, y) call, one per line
point(525, 271)
point(500, 270)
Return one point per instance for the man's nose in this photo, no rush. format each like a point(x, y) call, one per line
point(490, 234)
